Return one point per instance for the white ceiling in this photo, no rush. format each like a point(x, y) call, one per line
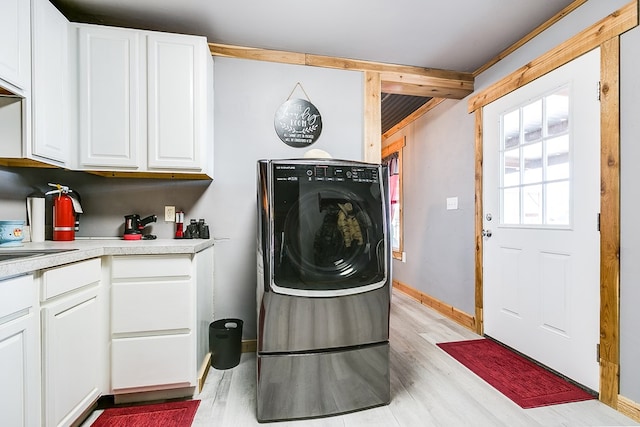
point(458, 35)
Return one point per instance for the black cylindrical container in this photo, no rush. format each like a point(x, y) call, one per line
point(225, 343)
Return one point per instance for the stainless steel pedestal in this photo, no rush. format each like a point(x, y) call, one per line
point(305, 385)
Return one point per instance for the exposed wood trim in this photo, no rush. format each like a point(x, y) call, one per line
point(249, 346)
point(6, 92)
point(372, 117)
point(611, 26)
point(204, 371)
point(446, 310)
point(154, 175)
point(610, 221)
point(389, 70)
point(405, 79)
point(629, 408)
point(427, 86)
point(394, 147)
point(30, 163)
point(533, 34)
point(478, 206)
point(335, 62)
point(401, 79)
point(428, 106)
point(230, 51)
point(24, 163)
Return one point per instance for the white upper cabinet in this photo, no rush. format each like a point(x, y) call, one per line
point(50, 85)
point(143, 101)
point(177, 101)
point(15, 63)
point(111, 91)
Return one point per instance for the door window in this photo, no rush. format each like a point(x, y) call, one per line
point(535, 188)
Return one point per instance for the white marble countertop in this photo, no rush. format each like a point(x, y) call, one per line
point(87, 248)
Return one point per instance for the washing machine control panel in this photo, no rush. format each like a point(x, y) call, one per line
point(326, 172)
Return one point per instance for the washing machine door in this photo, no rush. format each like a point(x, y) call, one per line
point(330, 229)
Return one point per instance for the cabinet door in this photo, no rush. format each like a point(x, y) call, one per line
point(168, 305)
point(18, 361)
point(177, 101)
point(19, 353)
point(14, 43)
point(72, 360)
point(162, 361)
point(50, 93)
point(111, 67)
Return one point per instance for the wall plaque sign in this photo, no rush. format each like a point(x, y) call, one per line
point(298, 123)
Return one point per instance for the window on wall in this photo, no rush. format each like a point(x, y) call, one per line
point(392, 157)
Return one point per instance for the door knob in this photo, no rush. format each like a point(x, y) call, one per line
point(486, 233)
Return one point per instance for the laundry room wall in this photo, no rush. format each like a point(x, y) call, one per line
point(629, 224)
point(435, 142)
point(247, 95)
point(437, 163)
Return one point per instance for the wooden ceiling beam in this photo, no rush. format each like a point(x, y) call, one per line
point(241, 52)
point(398, 79)
point(433, 87)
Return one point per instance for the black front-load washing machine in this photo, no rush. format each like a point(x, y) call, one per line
point(323, 292)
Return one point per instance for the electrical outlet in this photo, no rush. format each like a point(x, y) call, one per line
point(169, 213)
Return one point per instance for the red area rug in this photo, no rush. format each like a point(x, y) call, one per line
point(518, 378)
point(172, 414)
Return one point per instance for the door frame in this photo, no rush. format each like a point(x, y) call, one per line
point(606, 35)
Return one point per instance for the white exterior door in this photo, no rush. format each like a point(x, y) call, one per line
point(541, 203)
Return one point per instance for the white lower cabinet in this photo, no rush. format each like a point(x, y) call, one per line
point(19, 353)
point(153, 342)
point(162, 361)
point(73, 340)
point(64, 342)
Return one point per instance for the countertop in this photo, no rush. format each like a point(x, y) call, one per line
point(87, 248)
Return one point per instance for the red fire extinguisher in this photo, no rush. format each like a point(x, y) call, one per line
point(64, 219)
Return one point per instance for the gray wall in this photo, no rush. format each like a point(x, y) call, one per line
point(105, 201)
point(247, 95)
point(629, 221)
point(437, 163)
point(439, 153)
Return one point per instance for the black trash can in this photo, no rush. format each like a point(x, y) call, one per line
point(225, 343)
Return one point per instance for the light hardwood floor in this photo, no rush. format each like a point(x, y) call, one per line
point(428, 387)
